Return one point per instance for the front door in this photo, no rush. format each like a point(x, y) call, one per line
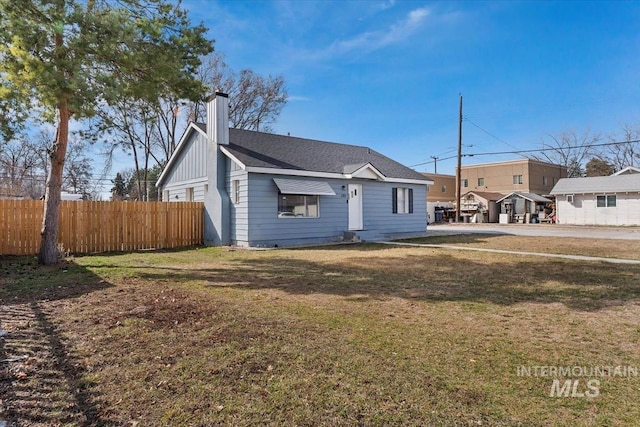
point(355, 207)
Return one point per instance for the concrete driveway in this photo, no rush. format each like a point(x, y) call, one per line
point(544, 230)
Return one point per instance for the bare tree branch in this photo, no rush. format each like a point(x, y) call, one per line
point(570, 149)
point(624, 155)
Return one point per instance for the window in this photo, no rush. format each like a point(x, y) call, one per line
point(444, 188)
point(544, 180)
point(235, 191)
point(465, 183)
point(297, 206)
point(402, 200)
point(517, 179)
point(480, 182)
point(189, 194)
point(608, 201)
point(570, 198)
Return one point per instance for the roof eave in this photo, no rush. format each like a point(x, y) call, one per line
point(334, 175)
point(232, 157)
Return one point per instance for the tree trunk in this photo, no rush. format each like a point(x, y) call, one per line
point(49, 244)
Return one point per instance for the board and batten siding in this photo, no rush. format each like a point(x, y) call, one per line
point(584, 210)
point(265, 228)
point(178, 192)
point(189, 171)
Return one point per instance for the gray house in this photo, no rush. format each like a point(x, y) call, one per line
point(269, 190)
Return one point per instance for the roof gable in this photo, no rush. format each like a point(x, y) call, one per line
point(191, 128)
point(487, 195)
point(366, 171)
point(627, 171)
point(527, 196)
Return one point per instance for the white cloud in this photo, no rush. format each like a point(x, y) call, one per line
point(386, 4)
point(294, 98)
point(373, 40)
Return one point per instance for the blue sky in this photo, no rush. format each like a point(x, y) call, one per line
point(388, 74)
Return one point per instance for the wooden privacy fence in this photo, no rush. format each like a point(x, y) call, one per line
point(88, 227)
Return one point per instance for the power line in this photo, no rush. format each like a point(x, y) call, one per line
point(467, 119)
point(438, 156)
point(539, 150)
point(535, 150)
point(431, 161)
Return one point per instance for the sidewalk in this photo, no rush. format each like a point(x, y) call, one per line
point(501, 251)
point(542, 230)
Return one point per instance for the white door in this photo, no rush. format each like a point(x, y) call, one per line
point(355, 207)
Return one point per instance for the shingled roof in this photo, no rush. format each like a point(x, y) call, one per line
point(628, 183)
point(266, 150)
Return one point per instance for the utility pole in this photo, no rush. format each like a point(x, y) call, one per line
point(458, 170)
point(435, 164)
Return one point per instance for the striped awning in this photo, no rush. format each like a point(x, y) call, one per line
point(300, 186)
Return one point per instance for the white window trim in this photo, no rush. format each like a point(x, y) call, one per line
point(403, 201)
point(235, 191)
point(296, 217)
point(606, 201)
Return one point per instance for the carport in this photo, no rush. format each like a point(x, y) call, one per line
point(521, 208)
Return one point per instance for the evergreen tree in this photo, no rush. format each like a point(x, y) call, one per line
point(119, 190)
point(68, 59)
point(599, 167)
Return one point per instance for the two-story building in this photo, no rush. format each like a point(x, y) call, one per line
point(524, 176)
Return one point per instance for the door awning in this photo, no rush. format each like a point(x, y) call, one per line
point(303, 186)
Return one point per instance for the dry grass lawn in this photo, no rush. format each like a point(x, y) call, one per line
point(346, 335)
point(625, 249)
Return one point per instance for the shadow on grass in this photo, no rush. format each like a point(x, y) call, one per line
point(23, 280)
point(363, 271)
point(41, 380)
point(435, 239)
point(457, 238)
